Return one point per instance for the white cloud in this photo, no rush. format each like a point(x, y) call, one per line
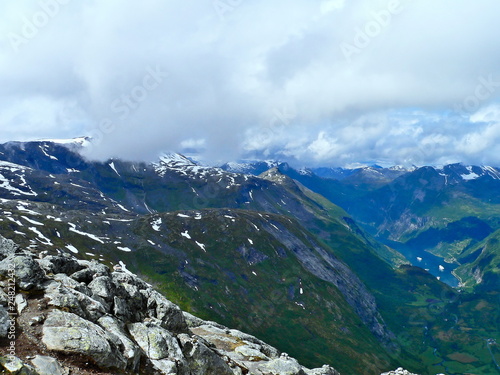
point(86, 70)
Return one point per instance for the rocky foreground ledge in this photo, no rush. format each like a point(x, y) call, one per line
point(60, 315)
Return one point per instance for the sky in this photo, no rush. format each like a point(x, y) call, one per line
point(313, 82)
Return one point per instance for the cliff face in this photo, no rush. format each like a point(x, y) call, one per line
point(61, 315)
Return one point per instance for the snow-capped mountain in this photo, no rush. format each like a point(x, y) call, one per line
point(217, 239)
point(253, 167)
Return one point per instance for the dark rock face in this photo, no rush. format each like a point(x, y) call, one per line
point(328, 268)
point(119, 323)
point(28, 273)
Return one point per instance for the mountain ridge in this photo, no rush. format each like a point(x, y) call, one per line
point(156, 219)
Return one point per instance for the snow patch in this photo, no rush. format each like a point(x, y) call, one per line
point(123, 208)
point(43, 239)
point(156, 224)
point(31, 221)
point(72, 249)
point(112, 165)
point(202, 246)
point(90, 235)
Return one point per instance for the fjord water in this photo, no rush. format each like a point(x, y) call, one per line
point(430, 262)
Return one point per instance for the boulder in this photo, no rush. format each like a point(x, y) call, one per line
point(325, 370)
point(4, 322)
point(267, 349)
point(76, 302)
point(21, 303)
point(28, 273)
point(203, 360)
point(251, 352)
point(136, 300)
point(400, 371)
point(121, 309)
point(60, 264)
point(282, 366)
point(165, 366)
point(90, 271)
point(4, 298)
point(103, 287)
point(193, 321)
point(70, 283)
point(7, 247)
point(13, 365)
point(45, 365)
point(68, 333)
point(64, 298)
point(121, 278)
point(168, 313)
point(155, 341)
point(129, 349)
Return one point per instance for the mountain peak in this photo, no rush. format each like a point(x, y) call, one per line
point(275, 175)
point(173, 159)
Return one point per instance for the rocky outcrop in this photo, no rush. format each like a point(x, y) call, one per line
point(73, 314)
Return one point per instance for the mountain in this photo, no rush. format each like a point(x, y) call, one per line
point(427, 213)
point(252, 167)
point(113, 231)
point(480, 264)
point(82, 315)
point(214, 241)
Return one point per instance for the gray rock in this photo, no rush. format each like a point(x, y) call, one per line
point(129, 349)
point(102, 286)
point(4, 298)
point(400, 371)
point(135, 298)
point(90, 271)
point(7, 247)
point(216, 334)
point(83, 276)
point(168, 313)
point(76, 302)
point(325, 370)
point(4, 322)
point(267, 349)
point(165, 366)
point(60, 264)
point(121, 278)
point(121, 310)
point(27, 271)
point(282, 366)
point(36, 320)
point(203, 360)
point(21, 303)
point(14, 365)
point(251, 353)
point(47, 366)
point(73, 284)
point(68, 333)
point(64, 298)
point(193, 321)
point(155, 341)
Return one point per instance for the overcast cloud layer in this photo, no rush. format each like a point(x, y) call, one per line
point(318, 82)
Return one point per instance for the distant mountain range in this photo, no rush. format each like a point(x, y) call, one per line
point(267, 248)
